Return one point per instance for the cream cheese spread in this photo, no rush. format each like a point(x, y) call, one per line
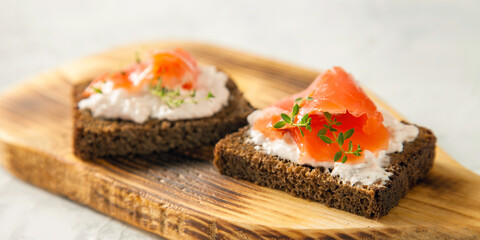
point(138, 107)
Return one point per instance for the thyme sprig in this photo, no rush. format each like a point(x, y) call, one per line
point(172, 97)
point(339, 139)
point(305, 122)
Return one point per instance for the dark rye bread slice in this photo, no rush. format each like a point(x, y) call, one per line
point(97, 137)
point(236, 157)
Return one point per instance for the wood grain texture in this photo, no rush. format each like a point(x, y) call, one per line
point(178, 197)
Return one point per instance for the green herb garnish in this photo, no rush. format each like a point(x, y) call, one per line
point(339, 139)
point(305, 122)
point(97, 90)
point(210, 95)
point(168, 96)
point(172, 97)
point(192, 95)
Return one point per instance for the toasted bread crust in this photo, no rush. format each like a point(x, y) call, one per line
point(236, 157)
point(97, 137)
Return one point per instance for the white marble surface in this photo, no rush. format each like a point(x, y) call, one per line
point(422, 57)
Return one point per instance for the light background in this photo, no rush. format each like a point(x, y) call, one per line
point(421, 57)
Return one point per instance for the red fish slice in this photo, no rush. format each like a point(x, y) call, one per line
point(336, 92)
point(177, 68)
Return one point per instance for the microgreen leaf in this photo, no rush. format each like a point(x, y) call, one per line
point(328, 115)
point(340, 138)
point(350, 146)
point(301, 131)
point(210, 95)
point(279, 124)
point(326, 139)
point(349, 133)
point(321, 132)
point(176, 92)
point(344, 158)
point(298, 100)
point(337, 156)
point(286, 118)
point(97, 90)
point(309, 98)
point(295, 110)
point(304, 118)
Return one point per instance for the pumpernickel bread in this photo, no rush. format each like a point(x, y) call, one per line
point(97, 137)
point(236, 157)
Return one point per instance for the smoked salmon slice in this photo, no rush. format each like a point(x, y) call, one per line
point(176, 69)
point(335, 92)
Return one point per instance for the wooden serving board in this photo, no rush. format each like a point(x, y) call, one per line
point(182, 198)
